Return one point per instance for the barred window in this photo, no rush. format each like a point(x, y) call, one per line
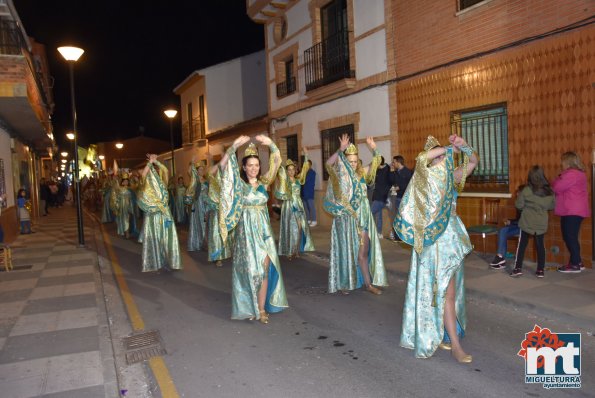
point(330, 143)
point(292, 147)
point(486, 130)
point(468, 3)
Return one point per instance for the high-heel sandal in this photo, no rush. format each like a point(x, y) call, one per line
point(219, 263)
point(465, 359)
point(445, 346)
point(374, 290)
point(264, 317)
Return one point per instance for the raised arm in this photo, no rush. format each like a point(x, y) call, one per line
point(301, 178)
point(274, 159)
point(241, 140)
point(460, 145)
point(371, 170)
point(344, 143)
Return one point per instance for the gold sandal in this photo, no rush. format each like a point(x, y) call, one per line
point(264, 317)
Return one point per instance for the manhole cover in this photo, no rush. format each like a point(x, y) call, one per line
point(143, 346)
point(311, 290)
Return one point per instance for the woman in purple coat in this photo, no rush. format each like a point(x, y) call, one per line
point(572, 205)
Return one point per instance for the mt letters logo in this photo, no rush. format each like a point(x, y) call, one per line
point(553, 359)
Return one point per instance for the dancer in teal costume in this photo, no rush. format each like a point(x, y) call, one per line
point(427, 220)
point(218, 249)
point(257, 282)
point(294, 232)
point(356, 256)
point(159, 237)
point(106, 190)
point(196, 197)
point(122, 204)
point(180, 192)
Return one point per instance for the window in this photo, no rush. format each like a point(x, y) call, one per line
point(330, 143)
point(189, 121)
point(292, 147)
point(287, 86)
point(468, 3)
point(486, 130)
point(202, 116)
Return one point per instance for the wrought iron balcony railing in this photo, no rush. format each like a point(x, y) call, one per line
point(328, 61)
point(11, 38)
point(285, 88)
point(192, 131)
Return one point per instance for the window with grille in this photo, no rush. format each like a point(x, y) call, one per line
point(292, 147)
point(468, 3)
point(330, 142)
point(486, 130)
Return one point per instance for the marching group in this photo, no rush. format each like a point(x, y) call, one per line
point(225, 207)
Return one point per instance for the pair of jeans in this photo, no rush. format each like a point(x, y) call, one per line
point(571, 226)
point(310, 209)
point(26, 227)
point(377, 207)
point(503, 234)
point(520, 251)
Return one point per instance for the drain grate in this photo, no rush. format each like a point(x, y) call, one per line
point(143, 346)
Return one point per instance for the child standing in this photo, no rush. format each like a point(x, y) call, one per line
point(24, 216)
point(534, 201)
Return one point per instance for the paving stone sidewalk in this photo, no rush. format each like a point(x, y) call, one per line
point(54, 335)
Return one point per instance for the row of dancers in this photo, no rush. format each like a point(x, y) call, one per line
point(228, 215)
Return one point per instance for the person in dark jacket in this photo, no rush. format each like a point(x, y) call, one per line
point(533, 201)
point(308, 196)
point(382, 185)
point(400, 176)
point(44, 197)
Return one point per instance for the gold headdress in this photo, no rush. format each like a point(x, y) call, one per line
point(289, 162)
point(431, 142)
point(251, 150)
point(125, 175)
point(351, 150)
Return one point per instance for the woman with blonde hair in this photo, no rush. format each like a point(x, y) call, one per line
point(572, 205)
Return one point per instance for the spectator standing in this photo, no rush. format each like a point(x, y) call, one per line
point(572, 205)
point(24, 215)
point(382, 185)
point(44, 196)
point(533, 201)
point(308, 195)
point(400, 177)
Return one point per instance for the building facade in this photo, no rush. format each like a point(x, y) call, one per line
point(329, 64)
point(218, 104)
point(26, 105)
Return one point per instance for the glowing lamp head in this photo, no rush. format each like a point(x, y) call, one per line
point(170, 113)
point(101, 157)
point(64, 154)
point(70, 136)
point(119, 145)
point(71, 53)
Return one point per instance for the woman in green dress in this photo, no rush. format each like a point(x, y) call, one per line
point(122, 204)
point(294, 232)
point(427, 220)
point(179, 201)
point(356, 256)
point(196, 198)
point(161, 248)
point(257, 282)
point(218, 249)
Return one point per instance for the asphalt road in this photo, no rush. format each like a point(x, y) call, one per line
point(325, 345)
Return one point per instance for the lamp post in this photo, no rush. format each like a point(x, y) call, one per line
point(171, 113)
point(71, 55)
point(119, 147)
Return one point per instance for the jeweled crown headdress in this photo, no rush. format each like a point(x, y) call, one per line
point(289, 162)
point(351, 150)
point(431, 142)
point(125, 175)
point(251, 150)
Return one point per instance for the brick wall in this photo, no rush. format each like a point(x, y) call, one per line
point(430, 33)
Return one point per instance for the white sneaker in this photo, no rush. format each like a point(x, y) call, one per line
point(380, 236)
point(309, 222)
point(313, 223)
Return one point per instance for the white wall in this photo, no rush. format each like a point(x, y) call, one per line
point(370, 55)
point(235, 91)
point(373, 108)
point(6, 155)
point(368, 14)
point(298, 16)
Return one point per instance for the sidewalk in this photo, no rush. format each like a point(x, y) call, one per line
point(54, 333)
point(565, 297)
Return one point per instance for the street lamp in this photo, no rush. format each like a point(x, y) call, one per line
point(71, 55)
point(171, 113)
point(119, 147)
point(64, 154)
point(70, 136)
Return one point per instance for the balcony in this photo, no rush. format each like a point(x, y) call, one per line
point(286, 87)
point(328, 62)
point(192, 131)
point(25, 105)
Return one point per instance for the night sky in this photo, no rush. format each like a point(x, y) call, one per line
point(136, 52)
